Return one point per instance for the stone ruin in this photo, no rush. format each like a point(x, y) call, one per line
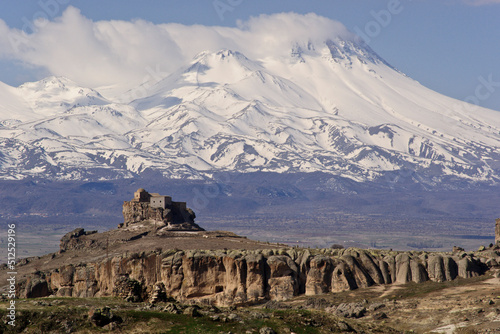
point(158, 210)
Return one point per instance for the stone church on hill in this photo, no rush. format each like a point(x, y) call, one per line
point(159, 209)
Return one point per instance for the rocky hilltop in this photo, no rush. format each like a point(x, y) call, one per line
point(159, 253)
point(152, 264)
point(235, 277)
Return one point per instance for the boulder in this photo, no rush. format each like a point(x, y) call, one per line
point(350, 310)
point(172, 308)
point(103, 316)
point(266, 330)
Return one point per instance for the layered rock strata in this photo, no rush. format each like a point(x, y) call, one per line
point(246, 277)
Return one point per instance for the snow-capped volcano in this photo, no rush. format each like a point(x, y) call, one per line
point(335, 107)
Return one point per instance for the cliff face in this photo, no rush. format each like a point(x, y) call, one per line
point(245, 277)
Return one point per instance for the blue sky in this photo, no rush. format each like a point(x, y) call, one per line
point(451, 46)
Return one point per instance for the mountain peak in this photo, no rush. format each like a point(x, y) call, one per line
point(224, 53)
point(222, 66)
point(52, 95)
point(222, 56)
point(51, 82)
point(333, 106)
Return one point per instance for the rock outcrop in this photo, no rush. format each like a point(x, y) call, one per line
point(228, 277)
point(71, 240)
point(497, 231)
point(165, 214)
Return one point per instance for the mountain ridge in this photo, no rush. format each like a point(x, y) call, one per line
point(337, 107)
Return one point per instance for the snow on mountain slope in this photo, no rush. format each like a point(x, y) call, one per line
point(335, 107)
point(13, 108)
point(54, 95)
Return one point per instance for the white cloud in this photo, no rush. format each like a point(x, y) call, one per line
point(107, 52)
point(5, 45)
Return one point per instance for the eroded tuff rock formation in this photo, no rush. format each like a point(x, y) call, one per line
point(245, 277)
point(166, 214)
